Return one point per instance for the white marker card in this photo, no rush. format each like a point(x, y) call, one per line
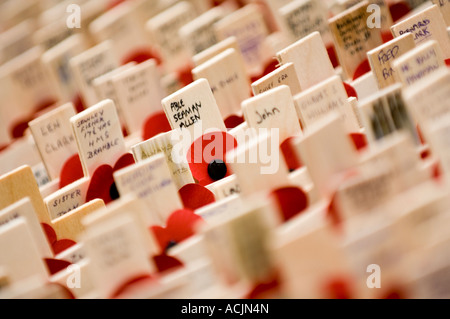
point(103, 85)
point(417, 221)
point(302, 17)
point(273, 109)
point(196, 280)
point(16, 40)
point(311, 61)
point(99, 136)
point(353, 37)
point(57, 60)
point(131, 206)
point(300, 177)
point(381, 58)
point(189, 250)
point(70, 226)
point(40, 174)
point(148, 9)
point(151, 181)
point(373, 238)
point(104, 88)
point(326, 150)
point(162, 143)
point(67, 198)
point(20, 254)
point(385, 14)
point(22, 152)
point(89, 65)
point(225, 187)
point(139, 93)
point(396, 153)
point(437, 135)
point(429, 99)
point(201, 6)
point(24, 208)
point(91, 11)
point(164, 28)
point(354, 103)
point(274, 7)
point(14, 13)
point(385, 113)
point(74, 254)
point(205, 55)
point(120, 24)
point(5, 138)
point(258, 164)
point(248, 26)
point(283, 75)
point(239, 244)
point(228, 79)
point(193, 104)
point(4, 280)
point(365, 192)
point(51, 34)
point(444, 6)
point(310, 260)
point(277, 41)
point(117, 253)
point(365, 85)
point(224, 208)
point(28, 86)
point(49, 188)
point(171, 83)
point(199, 35)
point(54, 137)
point(21, 183)
point(418, 63)
point(323, 98)
point(428, 24)
point(81, 287)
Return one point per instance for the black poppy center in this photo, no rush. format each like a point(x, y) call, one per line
point(170, 244)
point(217, 169)
point(113, 192)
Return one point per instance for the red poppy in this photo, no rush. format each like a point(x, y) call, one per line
point(338, 288)
point(18, 128)
point(269, 67)
point(155, 124)
point(102, 181)
point(265, 289)
point(206, 156)
point(290, 201)
point(398, 10)
point(331, 50)
point(290, 155)
point(140, 55)
point(387, 36)
point(71, 171)
point(57, 246)
point(180, 225)
point(195, 196)
point(351, 92)
point(165, 262)
point(363, 68)
point(56, 265)
point(233, 120)
point(359, 140)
